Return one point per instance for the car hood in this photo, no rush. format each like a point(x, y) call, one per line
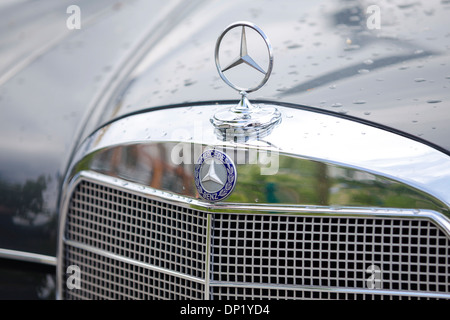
point(326, 57)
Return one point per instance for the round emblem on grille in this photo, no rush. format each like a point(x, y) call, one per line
point(215, 175)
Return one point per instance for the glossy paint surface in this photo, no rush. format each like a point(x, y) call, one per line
point(50, 79)
point(26, 281)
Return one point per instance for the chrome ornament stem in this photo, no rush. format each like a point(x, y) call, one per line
point(244, 106)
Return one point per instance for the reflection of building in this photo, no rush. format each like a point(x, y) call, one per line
point(150, 165)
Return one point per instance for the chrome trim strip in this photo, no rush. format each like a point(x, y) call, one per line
point(28, 257)
point(333, 290)
point(439, 219)
point(131, 261)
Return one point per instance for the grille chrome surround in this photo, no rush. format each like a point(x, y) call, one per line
point(222, 265)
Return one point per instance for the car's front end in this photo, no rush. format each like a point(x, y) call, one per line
point(330, 181)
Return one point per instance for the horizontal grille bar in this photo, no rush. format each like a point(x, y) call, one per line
point(255, 293)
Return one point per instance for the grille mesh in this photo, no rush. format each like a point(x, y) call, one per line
point(412, 255)
point(106, 278)
point(138, 228)
point(253, 250)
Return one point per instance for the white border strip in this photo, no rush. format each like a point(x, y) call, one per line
point(27, 257)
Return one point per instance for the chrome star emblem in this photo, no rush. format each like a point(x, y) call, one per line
point(215, 175)
point(244, 56)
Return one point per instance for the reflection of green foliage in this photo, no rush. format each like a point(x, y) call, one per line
point(248, 177)
point(306, 182)
point(295, 182)
point(366, 198)
point(84, 163)
point(31, 195)
point(23, 199)
point(298, 181)
point(26, 204)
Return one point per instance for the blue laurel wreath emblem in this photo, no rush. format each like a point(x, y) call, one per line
point(228, 187)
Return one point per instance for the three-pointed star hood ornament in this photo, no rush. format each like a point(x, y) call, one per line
point(244, 57)
point(245, 118)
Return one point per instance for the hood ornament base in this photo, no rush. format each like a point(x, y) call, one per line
point(245, 120)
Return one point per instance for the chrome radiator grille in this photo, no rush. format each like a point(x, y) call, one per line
point(128, 245)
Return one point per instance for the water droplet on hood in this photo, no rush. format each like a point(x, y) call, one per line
point(294, 46)
point(189, 82)
point(434, 101)
point(352, 47)
point(419, 80)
